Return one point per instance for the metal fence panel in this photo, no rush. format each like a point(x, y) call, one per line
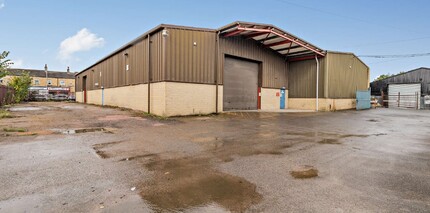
point(404, 96)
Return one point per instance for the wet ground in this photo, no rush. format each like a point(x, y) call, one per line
point(71, 157)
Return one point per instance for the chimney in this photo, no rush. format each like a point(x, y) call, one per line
point(68, 69)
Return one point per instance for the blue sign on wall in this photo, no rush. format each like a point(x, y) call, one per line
point(283, 98)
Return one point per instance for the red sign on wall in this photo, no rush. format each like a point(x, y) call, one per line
point(277, 94)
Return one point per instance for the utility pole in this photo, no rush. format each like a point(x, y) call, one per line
point(46, 75)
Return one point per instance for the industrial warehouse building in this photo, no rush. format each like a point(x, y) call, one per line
point(175, 70)
point(409, 89)
point(419, 76)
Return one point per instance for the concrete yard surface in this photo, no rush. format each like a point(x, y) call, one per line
point(68, 157)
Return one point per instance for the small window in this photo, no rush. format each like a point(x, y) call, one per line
point(36, 82)
point(49, 82)
point(62, 83)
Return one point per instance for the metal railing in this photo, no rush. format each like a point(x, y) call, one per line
point(425, 102)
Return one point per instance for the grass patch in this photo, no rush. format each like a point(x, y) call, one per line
point(5, 114)
point(145, 114)
point(14, 129)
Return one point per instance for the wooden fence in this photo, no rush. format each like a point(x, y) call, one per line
point(6, 95)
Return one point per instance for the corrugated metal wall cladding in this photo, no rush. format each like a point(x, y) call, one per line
point(302, 79)
point(113, 69)
point(346, 75)
point(156, 56)
point(419, 75)
point(190, 56)
point(274, 68)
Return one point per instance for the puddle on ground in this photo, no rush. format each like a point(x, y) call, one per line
point(29, 108)
point(181, 184)
point(373, 120)
point(85, 130)
point(72, 107)
point(184, 183)
point(329, 141)
point(102, 153)
point(138, 157)
point(119, 118)
point(353, 135)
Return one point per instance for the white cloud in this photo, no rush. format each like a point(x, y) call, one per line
point(18, 63)
point(83, 40)
point(2, 5)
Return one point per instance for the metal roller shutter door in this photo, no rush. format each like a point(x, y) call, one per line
point(240, 88)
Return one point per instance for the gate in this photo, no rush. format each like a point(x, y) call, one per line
point(403, 96)
point(402, 101)
point(363, 100)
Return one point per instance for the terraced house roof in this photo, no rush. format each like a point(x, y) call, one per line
point(41, 73)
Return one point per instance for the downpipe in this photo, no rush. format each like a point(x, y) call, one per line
point(317, 83)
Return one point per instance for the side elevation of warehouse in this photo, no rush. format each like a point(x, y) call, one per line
point(175, 70)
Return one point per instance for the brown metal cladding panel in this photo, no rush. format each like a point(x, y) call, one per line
point(91, 79)
point(156, 53)
point(274, 68)
point(138, 61)
point(77, 84)
point(121, 69)
point(113, 69)
point(347, 74)
point(302, 79)
point(190, 56)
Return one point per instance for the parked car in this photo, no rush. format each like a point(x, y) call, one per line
point(60, 97)
point(41, 97)
point(72, 98)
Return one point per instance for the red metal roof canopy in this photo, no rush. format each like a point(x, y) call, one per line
point(284, 43)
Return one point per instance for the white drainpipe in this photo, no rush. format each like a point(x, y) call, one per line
point(318, 73)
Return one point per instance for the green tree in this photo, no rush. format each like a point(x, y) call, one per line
point(4, 63)
point(383, 76)
point(20, 84)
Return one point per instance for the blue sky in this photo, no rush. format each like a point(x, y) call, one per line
point(37, 32)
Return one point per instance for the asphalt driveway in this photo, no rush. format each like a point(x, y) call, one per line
point(68, 157)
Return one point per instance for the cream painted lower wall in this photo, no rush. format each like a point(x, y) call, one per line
point(95, 97)
point(172, 98)
point(270, 100)
point(324, 104)
point(132, 97)
point(79, 97)
point(220, 98)
point(189, 99)
point(158, 98)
